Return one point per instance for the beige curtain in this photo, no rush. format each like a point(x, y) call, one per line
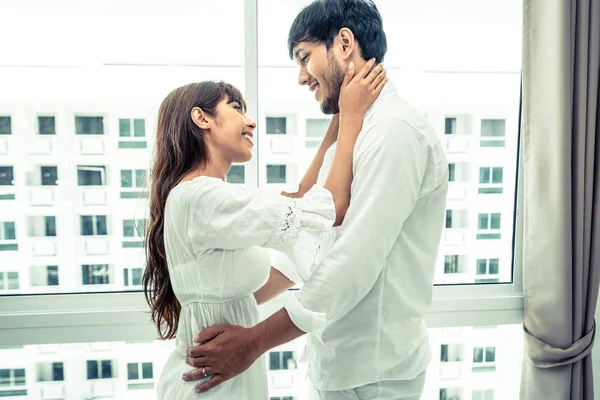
point(561, 162)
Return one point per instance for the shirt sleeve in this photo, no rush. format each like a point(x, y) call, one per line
point(390, 165)
point(224, 216)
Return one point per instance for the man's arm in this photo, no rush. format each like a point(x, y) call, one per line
point(277, 284)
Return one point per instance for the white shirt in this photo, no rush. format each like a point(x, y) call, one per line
point(373, 277)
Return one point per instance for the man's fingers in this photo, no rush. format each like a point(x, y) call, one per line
point(209, 334)
point(194, 375)
point(210, 384)
point(375, 72)
point(379, 87)
point(196, 361)
point(378, 79)
point(366, 69)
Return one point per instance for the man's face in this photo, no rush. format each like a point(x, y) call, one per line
point(321, 73)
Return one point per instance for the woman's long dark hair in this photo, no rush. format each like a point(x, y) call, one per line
point(179, 149)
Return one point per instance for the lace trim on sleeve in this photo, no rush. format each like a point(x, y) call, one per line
point(288, 227)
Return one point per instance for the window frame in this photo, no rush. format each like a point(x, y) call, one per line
point(101, 317)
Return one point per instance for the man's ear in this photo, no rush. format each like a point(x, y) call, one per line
point(199, 118)
point(346, 43)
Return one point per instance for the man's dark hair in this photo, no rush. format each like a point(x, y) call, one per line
point(320, 22)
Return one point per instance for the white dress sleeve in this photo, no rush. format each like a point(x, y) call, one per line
point(225, 216)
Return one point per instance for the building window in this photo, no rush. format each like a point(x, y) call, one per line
point(5, 125)
point(95, 274)
point(43, 275)
point(448, 218)
point(493, 133)
point(134, 229)
point(133, 182)
point(451, 394)
point(46, 125)
point(450, 126)
point(452, 264)
point(488, 266)
point(88, 175)
point(282, 398)
point(50, 372)
point(6, 176)
point(451, 172)
point(41, 226)
point(99, 369)
point(8, 231)
point(9, 281)
point(236, 174)
point(451, 353)
point(276, 174)
point(276, 126)
point(490, 180)
point(137, 371)
point(12, 377)
point(484, 358)
point(93, 225)
point(315, 132)
point(279, 360)
point(489, 226)
point(482, 395)
point(89, 125)
point(132, 276)
point(138, 125)
point(49, 176)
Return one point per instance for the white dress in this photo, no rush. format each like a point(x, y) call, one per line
point(212, 234)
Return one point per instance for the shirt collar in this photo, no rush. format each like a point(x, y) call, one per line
point(388, 91)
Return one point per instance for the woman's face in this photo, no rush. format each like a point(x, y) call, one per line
point(231, 132)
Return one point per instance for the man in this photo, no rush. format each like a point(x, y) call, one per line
point(373, 279)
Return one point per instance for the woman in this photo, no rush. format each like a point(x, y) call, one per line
point(204, 259)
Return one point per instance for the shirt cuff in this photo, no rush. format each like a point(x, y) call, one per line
point(306, 320)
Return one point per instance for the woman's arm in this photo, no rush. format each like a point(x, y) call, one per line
point(357, 94)
point(276, 285)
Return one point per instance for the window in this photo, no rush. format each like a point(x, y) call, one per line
point(132, 276)
point(482, 395)
point(50, 372)
point(41, 226)
point(5, 125)
point(451, 172)
point(236, 174)
point(488, 266)
point(133, 182)
point(493, 133)
point(450, 126)
point(126, 125)
point(490, 180)
point(276, 174)
point(8, 235)
point(93, 225)
point(99, 369)
point(451, 353)
point(448, 218)
point(49, 176)
point(95, 274)
point(279, 360)
point(484, 359)
point(46, 125)
point(451, 394)
point(134, 229)
point(276, 126)
point(489, 226)
point(89, 125)
point(137, 371)
point(9, 281)
point(12, 377)
point(6, 176)
point(43, 275)
point(91, 175)
point(453, 264)
point(315, 132)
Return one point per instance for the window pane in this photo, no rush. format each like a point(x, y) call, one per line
point(483, 221)
point(450, 126)
point(58, 373)
point(448, 218)
point(139, 128)
point(101, 225)
point(106, 369)
point(136, 276)
point(124, 127)
point(147, 372)
point(6, 176)
point(490, 354)
point(50, 223)
point(276, 126)
point(132, 371)
point(92, 369)
point(481, 267)
point(140, 178)
point(275, 360)
point(451, 172)
point(91, 176)
point(46, 126)
point(236, 174)
point(13, 280)
point(497, 175)
point(484, 175)
point(5, 125)
point(49, 176)
point(128, 230)
point(477, 355)
point(89, 125)
point(493, 127)
point(126, 178)
point(494, 266)
point(276, 174)
point(9, 231)
point(52, 275)
point(495, 221)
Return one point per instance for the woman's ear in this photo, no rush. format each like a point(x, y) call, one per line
point(199, 118)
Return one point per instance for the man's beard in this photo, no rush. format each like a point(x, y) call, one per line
point(334, 78)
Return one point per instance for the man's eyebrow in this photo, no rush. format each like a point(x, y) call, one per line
point(298, 51)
